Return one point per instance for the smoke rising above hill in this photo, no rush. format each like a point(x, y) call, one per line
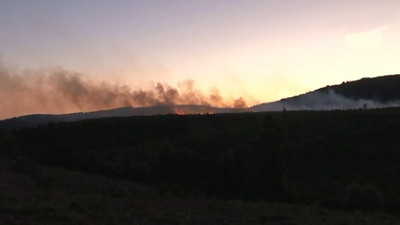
point(329, 100)
point(62, 91)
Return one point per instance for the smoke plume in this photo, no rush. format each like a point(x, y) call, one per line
point(329, 100)
point(61, 91)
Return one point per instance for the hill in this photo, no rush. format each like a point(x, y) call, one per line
point(289, 167)
point(378, 92)
point(339, 167)
point(298, 157)
point(384, 89)
point(42, 119)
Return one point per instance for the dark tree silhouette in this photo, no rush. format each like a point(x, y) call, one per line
point(8, 144)
point(266, 172)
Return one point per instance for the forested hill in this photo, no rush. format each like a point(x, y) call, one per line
point(378, 92)
point(383, 88)
point(42, 119)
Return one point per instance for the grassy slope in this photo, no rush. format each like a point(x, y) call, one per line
point(32, 194)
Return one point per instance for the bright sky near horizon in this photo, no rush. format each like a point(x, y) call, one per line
point(260, 50)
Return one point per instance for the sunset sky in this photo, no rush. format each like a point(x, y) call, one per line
point(258, 50)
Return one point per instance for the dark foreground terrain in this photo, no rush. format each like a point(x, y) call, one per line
point(32, 194)
point(333, 167)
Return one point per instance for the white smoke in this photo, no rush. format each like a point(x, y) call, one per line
point(318, 100)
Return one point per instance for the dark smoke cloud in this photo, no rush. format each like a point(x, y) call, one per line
point(62, 91)
point(240, 103)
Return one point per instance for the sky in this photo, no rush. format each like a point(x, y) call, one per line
point(259, 51)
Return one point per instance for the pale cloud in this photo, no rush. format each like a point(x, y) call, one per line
point(367, 40)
